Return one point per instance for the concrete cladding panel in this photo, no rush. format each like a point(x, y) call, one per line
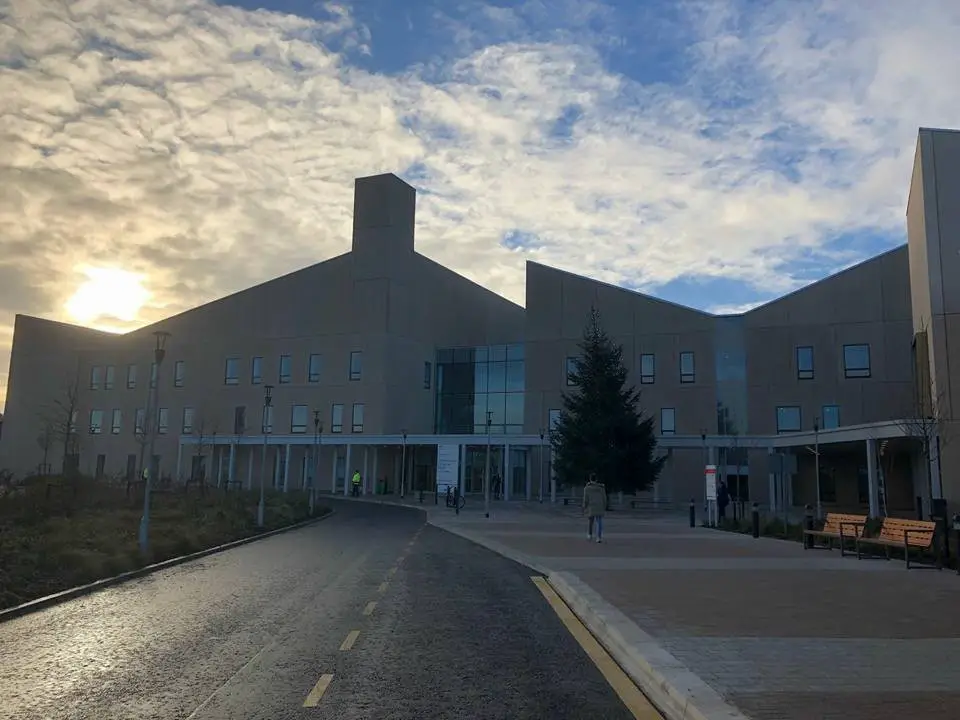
point(561, 301)
point(868, 304)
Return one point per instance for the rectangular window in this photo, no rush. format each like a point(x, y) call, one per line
point(139, 422)
point(356, 365)
point(186, 427)
point(116, 418)
point(856, 361)
point(163, 420)
point(96, 422)
point(96, 375)
point(687, 367)
point(554, 416)
point(788, 419)
point(648, 368)
point(830, 417)
point(108, 376)
point(805, 362)
point(668, 421)
point(298, 419)
point(313, 368)
point(336, 418)
point(570, 367)
point(154, 370)
point(284, 375)
point(231, 371)
point(179, 373)
point(266, 420)
point(131, 377)
point(357, 418)
point(427, 375)
point(256, 371)
point(239, 419)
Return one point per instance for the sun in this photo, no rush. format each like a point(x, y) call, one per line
point(107, 293)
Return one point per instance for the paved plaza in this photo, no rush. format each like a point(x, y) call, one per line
point(778, 632)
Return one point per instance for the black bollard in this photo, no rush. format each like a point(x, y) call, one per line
point(919, 508)
point(693, 513)
point(807, 525)
point(421, 497)
point(456, 499)
point(756, 520)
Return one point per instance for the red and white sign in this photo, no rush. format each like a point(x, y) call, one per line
point(711, 476)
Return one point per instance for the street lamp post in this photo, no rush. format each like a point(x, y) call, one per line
point(403, 463)
point(816, 459)
point(542, 433)
point(486, 477)
point(317, 432)
point(159, 352)
point(267, 399)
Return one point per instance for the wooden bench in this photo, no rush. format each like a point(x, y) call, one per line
point(838, 526)
point(906, 534)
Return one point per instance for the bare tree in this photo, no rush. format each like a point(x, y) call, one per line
point(206, 432)
point(927, 424)
point(62, 418)
point(45, 440)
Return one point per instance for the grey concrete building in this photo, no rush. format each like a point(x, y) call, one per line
point(385, 360)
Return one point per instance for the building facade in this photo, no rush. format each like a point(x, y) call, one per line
point(376, 357)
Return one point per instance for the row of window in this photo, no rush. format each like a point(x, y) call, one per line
point(103, 376)
point(648, 368)
point(856, 361)
point(856, 364)
point(300, 420)
point(788, 419)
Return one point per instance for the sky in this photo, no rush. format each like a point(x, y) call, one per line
point(157, 154)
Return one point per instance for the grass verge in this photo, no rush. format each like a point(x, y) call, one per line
point(57, 534)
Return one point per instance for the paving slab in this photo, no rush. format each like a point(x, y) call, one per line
point(724, 625)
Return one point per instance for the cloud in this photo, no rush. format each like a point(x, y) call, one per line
point(207, 147)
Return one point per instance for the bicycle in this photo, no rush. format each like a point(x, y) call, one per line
point(454, 499)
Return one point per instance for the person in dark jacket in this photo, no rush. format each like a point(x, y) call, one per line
point(594, 505)
point(723, 499)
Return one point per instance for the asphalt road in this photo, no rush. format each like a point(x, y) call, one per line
point(456, 632)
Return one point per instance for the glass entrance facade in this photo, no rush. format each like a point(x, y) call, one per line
point(472, 382)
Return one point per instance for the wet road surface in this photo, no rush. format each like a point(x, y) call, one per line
point(367, 614)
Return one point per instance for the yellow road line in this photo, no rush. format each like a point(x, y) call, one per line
point(350, 639)
point(318, 690)
point(383, 587)
point(368, 610)
point(636, 701)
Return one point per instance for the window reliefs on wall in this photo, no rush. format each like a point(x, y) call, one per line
point(788, 418)
point(648, 368)
point(805, 362)
point(856, 361)
point(688, 372)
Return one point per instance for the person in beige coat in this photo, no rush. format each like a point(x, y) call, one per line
point(594, 505)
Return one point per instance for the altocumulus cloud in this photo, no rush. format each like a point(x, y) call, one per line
point(208, 147)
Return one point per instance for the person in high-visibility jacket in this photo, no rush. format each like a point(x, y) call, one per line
point(356, 483)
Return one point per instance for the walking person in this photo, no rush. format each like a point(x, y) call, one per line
point(723, 499)
point(594, 505)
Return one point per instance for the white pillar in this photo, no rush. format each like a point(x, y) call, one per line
point(347, 472)
point(218, 454)
point(872, 486)
point(286, 469)
point(506, 472)
point(376, 457)
point(527, 472)
point(772, 480)
point(250, 467)
point(231, 468)
point(333, 474)
point(179, 457)
point(364, 477)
